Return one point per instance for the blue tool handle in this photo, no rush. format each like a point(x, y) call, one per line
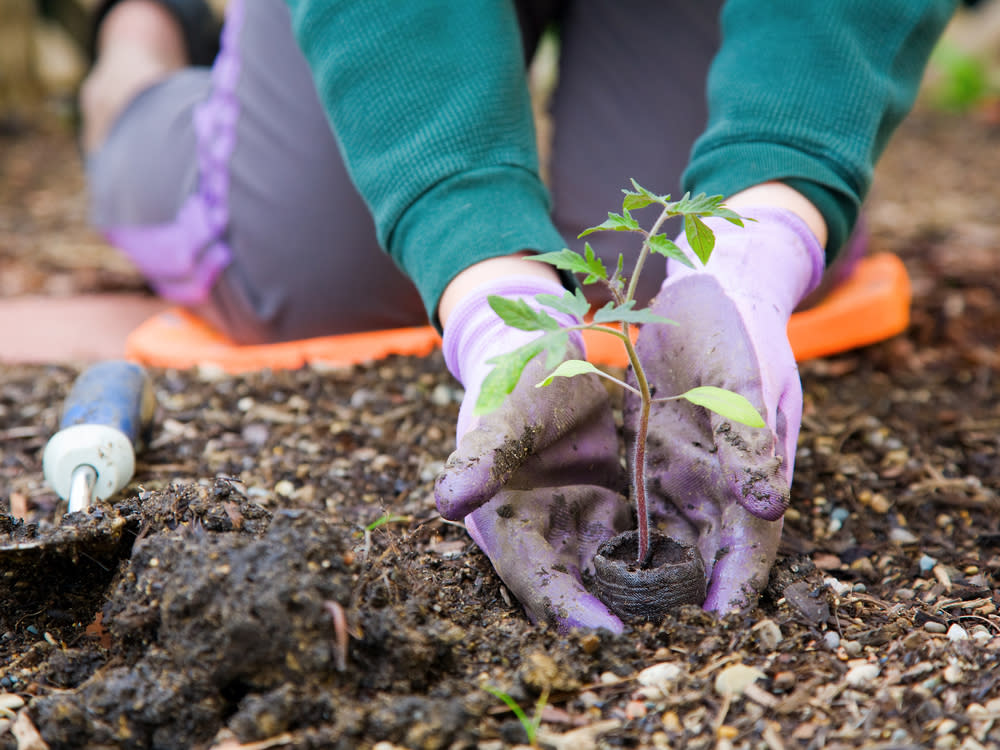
point(116, 394)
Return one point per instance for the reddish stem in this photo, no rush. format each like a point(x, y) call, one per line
point(639, 457)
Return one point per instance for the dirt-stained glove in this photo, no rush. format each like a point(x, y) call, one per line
point(713, 483)
point(538, 480)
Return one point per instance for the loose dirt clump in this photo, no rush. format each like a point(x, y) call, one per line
point(277, 516)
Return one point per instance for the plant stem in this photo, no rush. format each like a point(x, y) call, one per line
point(639, 456)
point(646, 400)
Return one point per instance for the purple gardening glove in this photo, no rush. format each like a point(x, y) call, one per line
point(711, 482)
point(537, 480)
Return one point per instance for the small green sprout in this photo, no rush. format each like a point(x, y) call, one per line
point(615, 318)
point(386, 518)
point(530, 725)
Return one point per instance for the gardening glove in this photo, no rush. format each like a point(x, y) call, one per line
point(538, 480)
point(714, 483)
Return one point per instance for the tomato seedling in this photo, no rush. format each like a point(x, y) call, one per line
point(615, 318)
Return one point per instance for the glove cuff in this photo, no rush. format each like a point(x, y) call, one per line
point(475, 333)
point(775, 257)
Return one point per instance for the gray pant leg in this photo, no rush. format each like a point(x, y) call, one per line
point(304, 258)
point(630, 103)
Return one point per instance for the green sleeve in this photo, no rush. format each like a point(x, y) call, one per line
point(808, 93)
point(430, 106)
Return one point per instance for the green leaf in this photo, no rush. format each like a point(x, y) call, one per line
point(699, 237)
point(659, 243)
point(569, 369)
point(705, 206)
point(725, 403)
point(517, 313)
point(625, 313)
point(641, 198)
point(572, 303)
point(701, 204)
point(504, 376)
point(615, 223)
point(568, 260)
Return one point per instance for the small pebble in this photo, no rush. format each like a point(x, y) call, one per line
point(768, 634)
point(838, 587)
point(635, 710)
point(609, 678)
point(734, 679)
point(947, 726)
point(728, 732)
point(880, 503)
point(853, 648)
point(953, 674)
point(831, 639)
point(927, 563)
point(784, 681)
point(861, 674)
point(590, 699)
point(672, 722)
point(442, 395)
point(10, 701)
point(905, 594)
point(659, 675)
point(859, 588)
point(932, 626)
point(957, 633)
point(902, 536)
point(981, 635)
point(589, 643)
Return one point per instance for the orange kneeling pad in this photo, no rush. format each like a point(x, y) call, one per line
point(870, 305)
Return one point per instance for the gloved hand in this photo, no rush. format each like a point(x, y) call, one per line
point(712, 483)
point(538, 480)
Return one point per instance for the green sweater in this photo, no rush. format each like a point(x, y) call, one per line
point(429, 103)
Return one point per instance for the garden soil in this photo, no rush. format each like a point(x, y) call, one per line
point(276, 575)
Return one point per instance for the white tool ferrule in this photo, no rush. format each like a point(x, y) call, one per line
point(107, 450)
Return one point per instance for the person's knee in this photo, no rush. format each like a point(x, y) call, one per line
point(139, 43)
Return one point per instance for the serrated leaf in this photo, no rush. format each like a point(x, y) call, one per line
point(725, 403)
point(615, 223)
point(642, 198)
point(701, 204)
point(568, 260)
point(503, 378)
point(625, 313)
point(569, 369)
point(705, 206)
point(660, 243)
point(572, 303)
point(633, 201)
point(699, 237)
point(517, 313)
point(729, 215)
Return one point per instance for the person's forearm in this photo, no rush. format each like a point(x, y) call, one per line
point(808, 94)
point(780, 195)
point(430, 105)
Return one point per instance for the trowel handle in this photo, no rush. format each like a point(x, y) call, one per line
point(115, 394)
point(106, 417)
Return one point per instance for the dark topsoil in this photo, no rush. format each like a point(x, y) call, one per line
point(235, 596)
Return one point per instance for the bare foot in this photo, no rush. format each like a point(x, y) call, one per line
point(86, 328)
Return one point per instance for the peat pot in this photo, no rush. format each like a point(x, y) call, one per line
point(672, 575)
